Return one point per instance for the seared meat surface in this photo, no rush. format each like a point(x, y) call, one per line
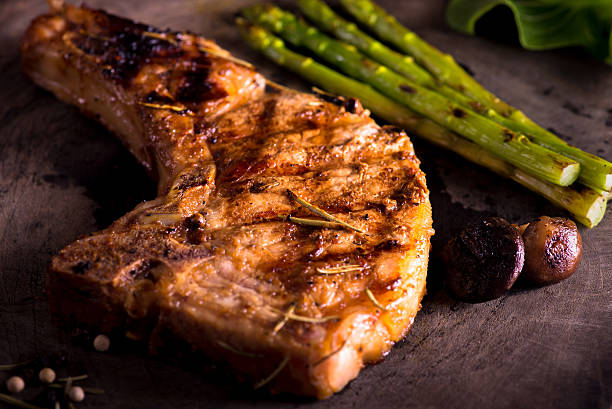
point(215, 259)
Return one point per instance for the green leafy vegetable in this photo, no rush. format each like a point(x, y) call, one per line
point(546, 24)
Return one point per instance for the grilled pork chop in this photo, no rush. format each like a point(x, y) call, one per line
point(223, 257)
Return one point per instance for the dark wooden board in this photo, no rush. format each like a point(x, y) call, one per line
point(62, 175)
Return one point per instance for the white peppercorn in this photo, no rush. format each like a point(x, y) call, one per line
point(46, 375)
point(76, 394)
point(101, 343)
point(15, 384)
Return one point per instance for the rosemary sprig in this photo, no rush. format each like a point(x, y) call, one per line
point(262, 187)
point(340, 269)
point(67, 387)
point(226, 57)
point(237, 351)
point(18, 403)
point(273, 374)
point(279, 86)
point(290, 315)
point(9, 367)
point(272, 184)
point(326, 357)
point(320, 212)
point(311, 320)
point(160, 36)
point(374, 300)
point(284, 320)
point(73, 378)
point(67, 39)
point(322, 92)
point(312, 222)
point(181, 110)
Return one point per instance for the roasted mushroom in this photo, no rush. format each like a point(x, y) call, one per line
point(553, 249)
point(483, 260)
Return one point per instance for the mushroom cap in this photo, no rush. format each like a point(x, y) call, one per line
point(484, 260)
point(553, 250)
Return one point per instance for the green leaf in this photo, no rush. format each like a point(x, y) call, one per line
point(546, 24)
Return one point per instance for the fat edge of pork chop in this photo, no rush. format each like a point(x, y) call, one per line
point(214, 259)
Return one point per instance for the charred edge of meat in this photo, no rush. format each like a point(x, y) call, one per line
point(122, 47)
point(350, 105)
point(195, 85)
point(81, 267)
point(393, 129)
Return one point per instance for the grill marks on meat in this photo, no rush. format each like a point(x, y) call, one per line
point(213, 258)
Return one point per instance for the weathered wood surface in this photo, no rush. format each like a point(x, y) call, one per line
point(62, 175)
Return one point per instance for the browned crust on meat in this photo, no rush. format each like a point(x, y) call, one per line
point(213, 258)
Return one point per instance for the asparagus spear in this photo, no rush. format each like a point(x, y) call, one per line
point(321, 14)
point(514, 148)
point(328, 20)
point(441, 65)
point(595, 172)
point(585, 205)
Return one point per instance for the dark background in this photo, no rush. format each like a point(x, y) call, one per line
point(62, 176)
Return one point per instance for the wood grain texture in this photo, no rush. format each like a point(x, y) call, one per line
point(62, 176)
